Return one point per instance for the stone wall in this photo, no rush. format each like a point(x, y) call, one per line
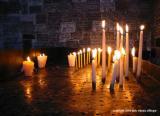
point(28, 24)
point(156, 24)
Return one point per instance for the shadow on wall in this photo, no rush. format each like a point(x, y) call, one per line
point(11, 60)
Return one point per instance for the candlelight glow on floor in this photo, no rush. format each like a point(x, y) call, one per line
point(62, 90)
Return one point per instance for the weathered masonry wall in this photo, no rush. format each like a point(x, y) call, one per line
point(28, 24)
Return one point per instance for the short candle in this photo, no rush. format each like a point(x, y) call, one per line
point(28, 67)
point(42, 59)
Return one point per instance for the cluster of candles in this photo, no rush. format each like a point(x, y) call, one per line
point(82, 58)
point(28, 65)
point(120, 58)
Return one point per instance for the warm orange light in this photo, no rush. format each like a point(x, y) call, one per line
point(94, 53)
point(114, 58)
point(142, 27)
point(74, 53)
point(133, 51)
point(99, 49)
point(103, 24)
point(80, 51)
point(84, 50)
point(121, 30)
point(117, 54)
point(109, 50)
point(123, 51)
point(127, 28)
point(42, 54)
point(118, 27)
point(88, 49)
point(28, 59)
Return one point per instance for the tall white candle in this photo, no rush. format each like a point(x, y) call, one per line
point(114, 71)
point(89, 55)
point(103, 52)
point(28, 67)
point(81, 58)
point(96, 61)
point(88, 50)
point(79, 65)
point(118, 36)
point(99, 55)
point(93, 69)
point(121, 60)
point(134, 59)
point(84, 56)
point(140, 51)
point(75, 56)
point(122, 67)
point(127, 52)
point(109, 56)
point(118, 48)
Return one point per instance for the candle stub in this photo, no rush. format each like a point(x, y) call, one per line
point(42, 59)
point(72, 59)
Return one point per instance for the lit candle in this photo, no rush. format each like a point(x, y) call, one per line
point(122, 67)
point(79, 65)
point(121, 59)
point(84, 51)
point(134, 59)
point(93, 69)
point(42, 59)
point(28, 67)
point(99, 55)
point(118, 35)
point(118, 48)
point(81, 58)
point(75, 58)
point(140, 51)
point(69, 59)
point(88, 49)
point(89, 55)
point(116, 57)
point(109, 56)
point(127, 52)
point(96, 61)
point(103, 52)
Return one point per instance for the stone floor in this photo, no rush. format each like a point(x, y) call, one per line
point(66, 91)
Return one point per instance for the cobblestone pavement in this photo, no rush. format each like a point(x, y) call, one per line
point(67, 91)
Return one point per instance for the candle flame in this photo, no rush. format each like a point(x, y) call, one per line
point(123, 51)
point(103, 24)
point(114, 58)
point(80, 51)
point(117, 53)
point(142, 27)
point(74, 53)
point(43, 54)
point(127, 28)
point(121, 30)
point(88, 49)
point(84, 50)
point(94, 53)
point(133, 51)
point(99, 49)
point(109, 50)
point(28, 59)
point(118, 27)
